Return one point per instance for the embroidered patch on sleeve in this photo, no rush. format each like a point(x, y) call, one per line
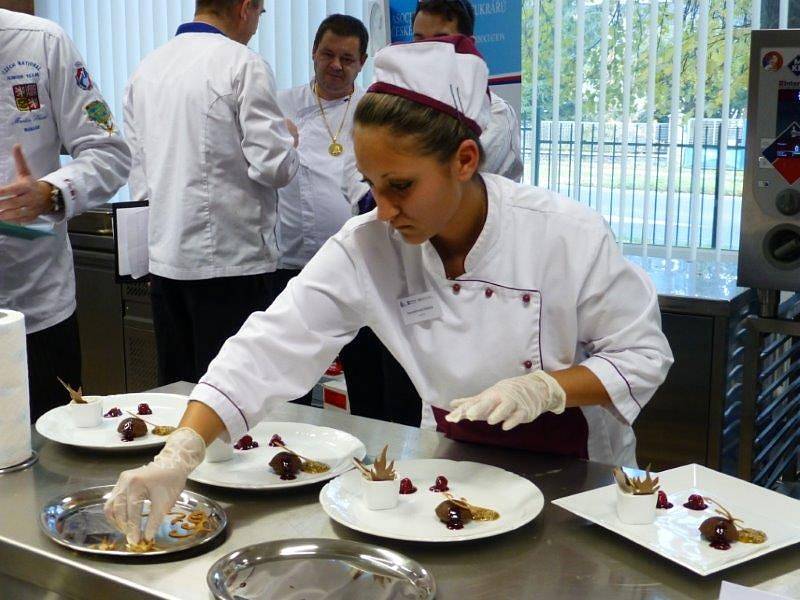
point(82, 77)
point(99, 114)
point(26, 97)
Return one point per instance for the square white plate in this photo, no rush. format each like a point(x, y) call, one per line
point(674, 534)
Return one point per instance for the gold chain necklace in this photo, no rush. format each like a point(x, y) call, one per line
point(335, 148)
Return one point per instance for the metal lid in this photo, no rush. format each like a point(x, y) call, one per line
point(318, 568)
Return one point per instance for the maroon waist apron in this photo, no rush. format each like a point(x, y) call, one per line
point(566, 434)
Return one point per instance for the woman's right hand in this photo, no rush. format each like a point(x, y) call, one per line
point(160, 482)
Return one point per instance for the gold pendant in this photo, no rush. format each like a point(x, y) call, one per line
point(335, 149)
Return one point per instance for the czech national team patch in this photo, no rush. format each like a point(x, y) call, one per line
point(26, 96)
point(82, 77)
point(99, 114)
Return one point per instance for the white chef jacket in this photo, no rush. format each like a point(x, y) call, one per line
point(210, 147)
point(314, 205)
point(545, 286)
point(47, 99)
point(501, 141)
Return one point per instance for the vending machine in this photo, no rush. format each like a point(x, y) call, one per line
point(769, 248)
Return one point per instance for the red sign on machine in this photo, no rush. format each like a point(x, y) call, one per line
point(784, 153)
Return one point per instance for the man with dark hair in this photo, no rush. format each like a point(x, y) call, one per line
point(459, 11)
point(213, 188)
point(316, 204)
point(500, 141)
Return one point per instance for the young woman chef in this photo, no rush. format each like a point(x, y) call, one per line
point(513, 300)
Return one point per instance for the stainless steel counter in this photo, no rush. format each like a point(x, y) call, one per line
point(556, 556)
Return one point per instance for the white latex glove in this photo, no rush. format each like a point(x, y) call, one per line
point(512, 401)
point(161, 482)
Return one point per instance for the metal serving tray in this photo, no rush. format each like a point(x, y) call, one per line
point(77, 521)
point(318, 568)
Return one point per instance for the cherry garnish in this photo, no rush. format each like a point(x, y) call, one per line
point(276, 441)
point(246, 443)
point(663, 502)
point(406, 486)
point(696, 502)
point(440, 485)
point(143, 409)
point(114, 412)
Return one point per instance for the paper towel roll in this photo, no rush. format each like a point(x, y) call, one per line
point(15, 429)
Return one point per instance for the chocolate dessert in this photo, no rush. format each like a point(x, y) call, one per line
point(131, 428)
point(286, 464)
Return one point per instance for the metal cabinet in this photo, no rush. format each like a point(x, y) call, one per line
point(99, 322)
point(141, 367)
point(702, 314)
point(116, 328)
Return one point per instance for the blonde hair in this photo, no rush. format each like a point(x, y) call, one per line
point(436, 133)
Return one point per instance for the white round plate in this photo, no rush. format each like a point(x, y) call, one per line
point(168, 409)
point(414, 519)
point(250, 470)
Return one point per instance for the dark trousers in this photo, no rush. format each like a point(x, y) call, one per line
point(377, 386)
point(192, 319)
point(53, 352)
point(282, 277)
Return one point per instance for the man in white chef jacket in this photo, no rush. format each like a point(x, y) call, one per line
point(314, 205)
point(378, 387)
point(210, 149)
point(48, 100)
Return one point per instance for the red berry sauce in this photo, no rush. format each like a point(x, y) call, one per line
point(246, 443)
point(719, 542)
point(275, 441)
point(454, 519)
point(406, 486)
point(114, 412)
point(143, 409)
point(663, 502)
point(441, 486)
point(696, 502)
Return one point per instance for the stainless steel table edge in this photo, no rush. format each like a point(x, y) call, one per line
point(119, 588)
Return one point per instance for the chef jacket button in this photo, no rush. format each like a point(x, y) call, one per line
point(526, 298)
point(488, 292)
point(456, 288)
point(528, 364)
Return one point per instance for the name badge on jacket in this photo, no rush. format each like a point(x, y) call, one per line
point(419, 308)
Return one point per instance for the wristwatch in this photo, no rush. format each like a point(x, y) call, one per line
point(56, 199)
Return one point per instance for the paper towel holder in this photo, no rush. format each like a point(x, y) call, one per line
point(25, 464)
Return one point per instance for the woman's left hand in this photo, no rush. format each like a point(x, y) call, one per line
point(512, 401)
